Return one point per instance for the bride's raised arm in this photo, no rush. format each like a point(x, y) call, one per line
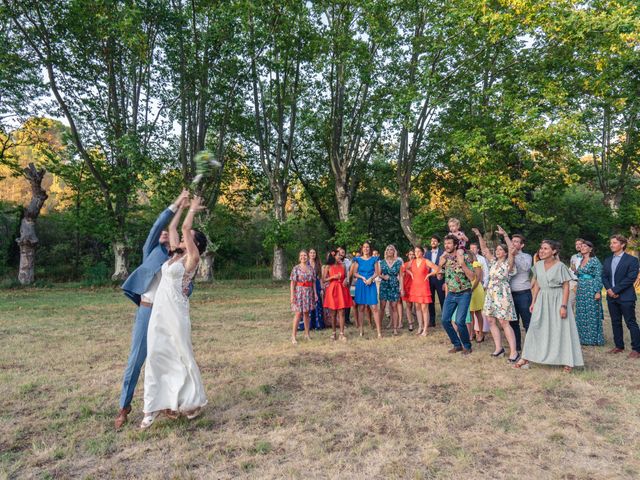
point(174, 238)
point(193, 254)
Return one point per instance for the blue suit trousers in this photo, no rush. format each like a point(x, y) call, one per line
point(137, 355)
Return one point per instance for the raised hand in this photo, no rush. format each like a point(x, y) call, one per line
point(501, 231)
point(196, 204)
point(476, 232)
point(182, 201)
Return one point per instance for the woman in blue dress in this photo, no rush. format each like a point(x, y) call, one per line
point(589, 314)
point(366, 269)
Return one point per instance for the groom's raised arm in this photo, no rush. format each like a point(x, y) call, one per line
point(159, 224)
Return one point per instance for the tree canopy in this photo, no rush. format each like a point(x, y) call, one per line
point(334, 121)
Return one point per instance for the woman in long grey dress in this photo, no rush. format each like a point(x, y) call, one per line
point(552, 337)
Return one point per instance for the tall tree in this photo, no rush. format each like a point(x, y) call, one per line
point(349, 104)
point(279, 49)
point(590, 54)
point(99, 58)
point(204, 62)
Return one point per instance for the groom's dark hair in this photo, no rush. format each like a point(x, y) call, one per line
point(200, 240)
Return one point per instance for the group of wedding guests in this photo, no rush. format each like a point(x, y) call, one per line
point(480, 290)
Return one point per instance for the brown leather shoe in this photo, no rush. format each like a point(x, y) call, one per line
point(466, 352)
point(455, 349)
point(616, 350)
point(121, 419)
point(634, 354)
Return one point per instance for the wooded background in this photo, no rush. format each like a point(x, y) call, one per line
point(335, 122)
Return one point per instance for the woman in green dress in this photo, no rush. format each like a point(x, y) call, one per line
point(552, 337)
point(589, 314)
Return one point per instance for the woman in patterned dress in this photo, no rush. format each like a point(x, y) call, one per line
point(391, 284)
point(303, 295)
point(589, 314)
point(498, 304)
point(552, 337)
point(406, 283)
point(420, 270)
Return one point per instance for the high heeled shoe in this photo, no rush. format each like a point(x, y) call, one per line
point(514, 360)
point(498, 354)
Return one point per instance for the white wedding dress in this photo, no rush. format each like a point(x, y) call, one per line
point(172, 378)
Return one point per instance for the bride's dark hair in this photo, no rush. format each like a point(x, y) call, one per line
point(200, 240)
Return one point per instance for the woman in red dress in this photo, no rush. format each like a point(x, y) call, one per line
point(336, 297)
point(420, 270)
point(406, 282)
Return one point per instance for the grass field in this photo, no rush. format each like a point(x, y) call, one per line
point(392, 408)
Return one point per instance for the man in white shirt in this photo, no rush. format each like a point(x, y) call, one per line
point(342, 254)
point(574, 264)
point(521, 288)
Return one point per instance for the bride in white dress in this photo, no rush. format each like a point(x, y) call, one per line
point(172, 381)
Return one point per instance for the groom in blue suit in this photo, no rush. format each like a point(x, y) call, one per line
point(140, 287)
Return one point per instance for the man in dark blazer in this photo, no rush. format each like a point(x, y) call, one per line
point(140, 287)
point(619, 273)
point(435, 285)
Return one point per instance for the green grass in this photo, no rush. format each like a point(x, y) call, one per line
point(392, 408)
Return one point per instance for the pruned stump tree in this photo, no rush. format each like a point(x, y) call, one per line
point(28, 240)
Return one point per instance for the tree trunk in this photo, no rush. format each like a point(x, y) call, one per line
point(28, 240)
point(343, 199)
point(279, 270)
point(121, 271)
point(205, 270)
point(28, 243)
point(405, 217)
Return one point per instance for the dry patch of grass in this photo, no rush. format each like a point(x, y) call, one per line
point(396, 408)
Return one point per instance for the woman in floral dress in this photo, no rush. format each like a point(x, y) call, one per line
point(391, 284)
point(589, 314)
point(498, 304)
point(303, 295)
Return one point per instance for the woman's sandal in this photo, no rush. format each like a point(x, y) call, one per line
point(343, 338)
point(195, 413)
point(567, 369)
point(411, 327)
point(148, 420)
point(522, 364)
point(294, 341)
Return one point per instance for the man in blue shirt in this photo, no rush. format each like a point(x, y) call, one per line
point(619, 273)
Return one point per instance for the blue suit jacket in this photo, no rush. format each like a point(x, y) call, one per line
point(626, 274)
point(153, 256)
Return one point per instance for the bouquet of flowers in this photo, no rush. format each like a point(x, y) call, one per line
point(205, 165)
